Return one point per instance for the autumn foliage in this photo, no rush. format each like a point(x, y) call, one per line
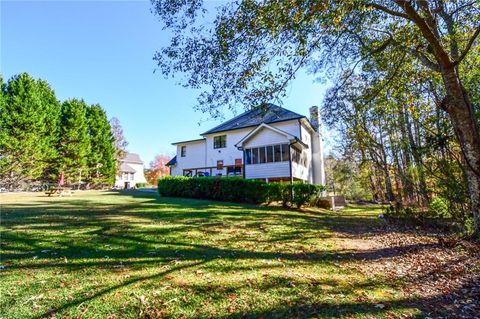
point(157, 168)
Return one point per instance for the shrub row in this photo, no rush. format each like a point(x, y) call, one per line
point(230, 189)
point(235, 189)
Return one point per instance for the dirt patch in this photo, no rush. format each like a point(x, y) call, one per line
point(441, 276)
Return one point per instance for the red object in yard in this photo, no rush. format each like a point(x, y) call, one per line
point(61, 179)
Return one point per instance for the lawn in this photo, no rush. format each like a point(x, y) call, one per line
point(135, 255)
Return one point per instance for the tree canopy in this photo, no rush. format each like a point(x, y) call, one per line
point(41, 137)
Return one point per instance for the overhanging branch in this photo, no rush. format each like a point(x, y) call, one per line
point(467, 48)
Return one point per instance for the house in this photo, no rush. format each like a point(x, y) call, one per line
point(130, 172)
point(271, 143)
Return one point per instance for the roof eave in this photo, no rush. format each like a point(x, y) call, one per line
point(189, 141)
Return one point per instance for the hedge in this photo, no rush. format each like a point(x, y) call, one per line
point(230, 189)
point(235, 189)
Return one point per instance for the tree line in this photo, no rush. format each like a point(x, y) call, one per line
point(41, 137)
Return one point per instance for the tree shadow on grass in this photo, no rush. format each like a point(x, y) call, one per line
point(86, 231)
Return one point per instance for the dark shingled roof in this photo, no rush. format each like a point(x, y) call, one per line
point(173, 161)
point(132, 158)
point(271, 114)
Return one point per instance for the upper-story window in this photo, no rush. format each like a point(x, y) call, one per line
point(220, 141)
point(183, 151)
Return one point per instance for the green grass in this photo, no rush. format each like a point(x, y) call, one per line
point(131, 255)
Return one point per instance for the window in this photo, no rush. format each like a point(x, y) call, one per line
point(262, 156)
point(296, 156)
point(220, 164)
point(269, 154)
point(254, 155)
point(220, 141)
point(248, 156)
point(183, 151)
point(234, 171)
point(277, 153)
point(285, 156)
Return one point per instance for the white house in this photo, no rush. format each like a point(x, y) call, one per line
point(130, 172)
point(272, 143)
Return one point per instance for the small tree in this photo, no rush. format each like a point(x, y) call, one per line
point(119, 142)
point(157, 168)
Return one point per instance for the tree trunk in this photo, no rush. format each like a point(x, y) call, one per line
point(458, 106)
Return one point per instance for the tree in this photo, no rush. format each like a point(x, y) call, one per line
point(157, 168)
point(74, 145)
point(29, 130)
point(101, 160)
point(119, 141)
point(254, 49)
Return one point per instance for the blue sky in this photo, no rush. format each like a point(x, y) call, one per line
point(102, 51)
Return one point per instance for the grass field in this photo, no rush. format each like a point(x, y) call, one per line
point(134, 255)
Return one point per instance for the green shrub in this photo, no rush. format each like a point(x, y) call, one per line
point(235, 189)
point(438, 207)
point(232, 189)
point(303, 193)
point(397, 210)
point(278, 192)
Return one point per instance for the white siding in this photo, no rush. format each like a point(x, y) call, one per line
point(266, 137)
point(195, 157)
point(268, 170)
point(306, 172)
point(230, 152)
point(132, 178)
point(176, 170)
point(138, 176)
point(301, 172)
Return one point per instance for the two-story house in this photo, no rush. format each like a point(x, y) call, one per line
point(273, 144)
point(130, 173)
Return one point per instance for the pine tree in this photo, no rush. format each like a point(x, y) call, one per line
point(28, 118)
point(101, 161)
point(74, 143)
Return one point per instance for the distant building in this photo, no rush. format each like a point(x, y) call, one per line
point(130, 173)
point(273, 144)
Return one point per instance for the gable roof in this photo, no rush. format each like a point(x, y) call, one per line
point(125, 168)
point(172, 162)
point(132, 158)
point(261, 127)
point(292, 138)
point(271, 114)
